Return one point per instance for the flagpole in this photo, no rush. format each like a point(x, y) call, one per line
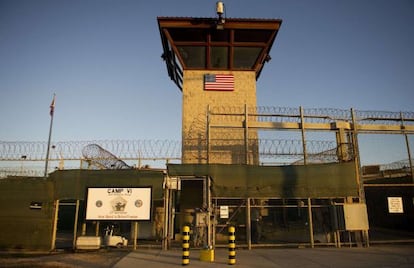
point(52, 111)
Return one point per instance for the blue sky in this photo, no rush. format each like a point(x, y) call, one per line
point(102, 58)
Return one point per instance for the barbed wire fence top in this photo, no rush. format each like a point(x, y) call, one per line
point(12, 153)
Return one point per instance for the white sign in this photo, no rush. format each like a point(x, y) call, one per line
point(395, 205)
point(224, 212)
point(115, 203)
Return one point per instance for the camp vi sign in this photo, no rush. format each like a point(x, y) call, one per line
point(115, 203)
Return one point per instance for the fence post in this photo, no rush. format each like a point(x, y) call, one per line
point(232, 245)
point(186, 245)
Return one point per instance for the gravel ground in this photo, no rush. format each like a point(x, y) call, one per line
point(89, 259)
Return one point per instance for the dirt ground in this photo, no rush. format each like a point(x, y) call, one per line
point(89, 259)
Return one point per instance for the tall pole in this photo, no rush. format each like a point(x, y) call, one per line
point(248, 225)
point(357, 159)
point(311, 238)
point(208, 133)
point(407, 143)
point(52, 111)
point(54, 228)
point(246, 134)
point(302, 128)
point(165, 229)
point(75, 225)
point(209, 231)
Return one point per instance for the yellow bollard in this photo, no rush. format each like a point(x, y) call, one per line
point(232, 245)
point(186, 245)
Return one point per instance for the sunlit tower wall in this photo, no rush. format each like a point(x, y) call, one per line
point(216, 62)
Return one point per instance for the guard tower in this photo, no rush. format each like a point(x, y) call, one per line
point(216, 62)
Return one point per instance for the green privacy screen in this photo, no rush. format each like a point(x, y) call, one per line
point(315, 181)
point(72, 184)
point(27, 204)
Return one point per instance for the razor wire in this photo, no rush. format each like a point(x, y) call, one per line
point(97, 155)
point(311, 115)
point(397, 165)
point(146, 149)
point(72, 150)
point(384, 117)
point(171, 150)
point(317, 151)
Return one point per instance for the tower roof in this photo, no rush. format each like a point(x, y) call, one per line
point(235, 44)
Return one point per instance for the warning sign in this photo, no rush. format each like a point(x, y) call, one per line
point(395, 205)
point(224, 212)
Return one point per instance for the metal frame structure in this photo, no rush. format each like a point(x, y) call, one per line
point(347, 124)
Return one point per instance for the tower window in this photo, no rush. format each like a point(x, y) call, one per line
point(193, 56)
point(245, 57)
point(219, 57)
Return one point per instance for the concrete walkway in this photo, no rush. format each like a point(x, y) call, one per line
point(374, 256)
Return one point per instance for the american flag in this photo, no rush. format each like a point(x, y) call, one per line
point(52, 106)
point(220, 82)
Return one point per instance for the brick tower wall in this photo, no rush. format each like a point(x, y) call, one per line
point(227, 145)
